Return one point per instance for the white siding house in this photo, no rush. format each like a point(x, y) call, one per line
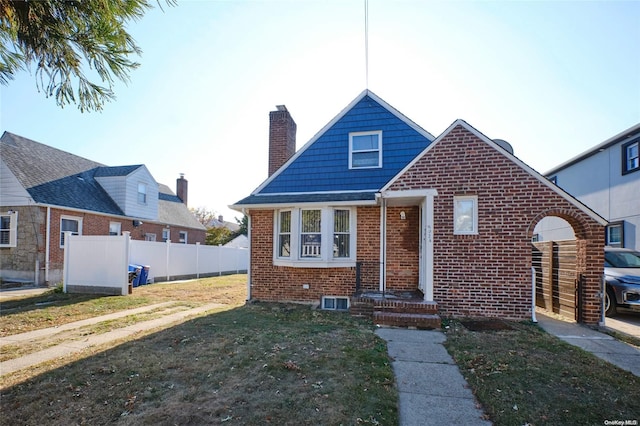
point(607, 179)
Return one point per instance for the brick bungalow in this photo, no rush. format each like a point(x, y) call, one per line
point(45, 191)
point(374, 212)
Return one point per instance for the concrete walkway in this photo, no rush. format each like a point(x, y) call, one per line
point(72, 346)
point(600, 344)
point(431, 390)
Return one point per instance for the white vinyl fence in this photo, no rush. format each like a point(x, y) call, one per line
point(100, 264)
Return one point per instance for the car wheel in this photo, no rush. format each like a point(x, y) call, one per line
point(610, 305)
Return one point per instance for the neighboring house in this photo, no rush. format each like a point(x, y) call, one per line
point(45, 191)
point(376, 208)
point(219, 222)
point(607, 179)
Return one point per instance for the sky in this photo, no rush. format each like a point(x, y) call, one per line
point(553, 78)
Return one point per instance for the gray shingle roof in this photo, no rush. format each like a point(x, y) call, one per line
point(55, 177)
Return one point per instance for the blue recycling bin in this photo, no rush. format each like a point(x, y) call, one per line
point(134, 274)
point(144, 274)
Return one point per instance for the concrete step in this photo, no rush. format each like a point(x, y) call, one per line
point(399, 319)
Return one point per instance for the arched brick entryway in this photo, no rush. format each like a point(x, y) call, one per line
point(589, 260)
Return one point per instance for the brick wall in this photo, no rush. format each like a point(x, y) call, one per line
point(489, 274)
point(282, 283)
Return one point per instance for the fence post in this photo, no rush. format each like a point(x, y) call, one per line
point(66, 261)
point(168, 262)
point(198, 260)
point(127, 255)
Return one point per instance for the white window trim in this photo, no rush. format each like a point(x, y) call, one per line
point(143, 192)
point(77, 219)
point(474, 230)
point(351, 151)
point(117, 225)
point(166, 234)
point(185, 239)
point(326, 259)
point(13, 229)
point(335, 303)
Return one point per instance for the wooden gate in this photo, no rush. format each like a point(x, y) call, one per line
point(557, 282)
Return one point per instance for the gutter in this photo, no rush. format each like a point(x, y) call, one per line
point(47, 245)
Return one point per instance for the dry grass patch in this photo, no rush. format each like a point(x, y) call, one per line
point(256, 364)
point(54, 308)
point(524, 376)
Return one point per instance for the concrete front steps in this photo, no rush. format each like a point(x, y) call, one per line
point(397, 312)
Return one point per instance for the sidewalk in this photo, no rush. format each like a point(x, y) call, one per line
point(431, 390)
point(72, 346)
point(600, 344)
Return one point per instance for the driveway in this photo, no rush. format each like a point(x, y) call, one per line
point(628, 323)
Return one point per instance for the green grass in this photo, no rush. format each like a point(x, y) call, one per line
point(526, 376)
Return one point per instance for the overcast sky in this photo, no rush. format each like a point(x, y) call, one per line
point(552, 78)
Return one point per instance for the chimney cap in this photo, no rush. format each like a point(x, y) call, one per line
point(281, 108)
point(181, 175)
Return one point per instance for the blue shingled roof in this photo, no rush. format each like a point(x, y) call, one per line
point(79, 191)
point(323, 165)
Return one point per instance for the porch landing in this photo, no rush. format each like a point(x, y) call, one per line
point(406, 309)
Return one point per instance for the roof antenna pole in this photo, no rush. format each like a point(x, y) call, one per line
point(366, 43)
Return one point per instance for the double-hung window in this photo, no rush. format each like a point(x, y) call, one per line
point(310, 233)
point(284, 234)
point(365, 150)
point(70, 224)
point(630, 157)
point(8, 229)
point(314, 237)
point(142, 193)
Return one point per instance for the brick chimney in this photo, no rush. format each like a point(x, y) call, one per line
point(282, 138)
point(181, 188)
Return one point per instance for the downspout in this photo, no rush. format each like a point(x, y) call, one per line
point(533, 294)
point(383, 244)
point(47, 244)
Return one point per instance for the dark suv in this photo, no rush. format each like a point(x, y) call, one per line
point(622, 276)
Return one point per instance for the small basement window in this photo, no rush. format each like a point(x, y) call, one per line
point(335, 303)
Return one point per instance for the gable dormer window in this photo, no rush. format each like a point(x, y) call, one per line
point(365, 150)
point(142, 193)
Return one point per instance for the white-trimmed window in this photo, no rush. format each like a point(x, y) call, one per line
point(365, 150)
point(630, 157)
point(465, 215)
point(284, 234)
point(315, 237)
point(311, 233)
point(115, 228)
point(8, 229)
point(182, 237)
point(615, 234)
point(70, 224)
point(149, 237)
point(335, 303)
point(142, 193)
point(341, 233)
point(166, 234)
